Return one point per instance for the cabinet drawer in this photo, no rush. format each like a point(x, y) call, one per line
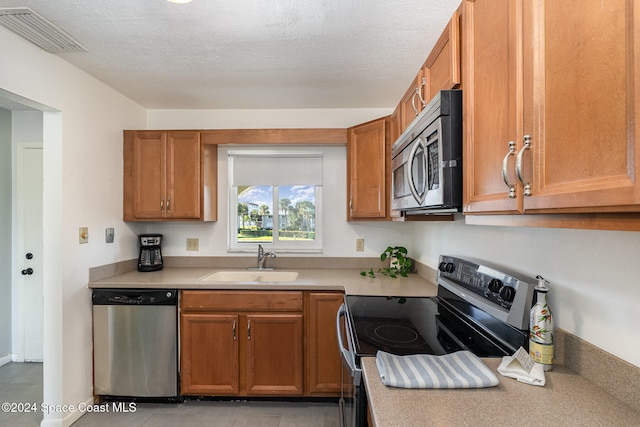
point(242, 300)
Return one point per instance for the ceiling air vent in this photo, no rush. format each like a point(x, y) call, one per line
point(38, 30)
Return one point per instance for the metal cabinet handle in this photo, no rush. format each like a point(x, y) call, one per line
point(413, 101)
point(168, 204)
point(527, 145)
point(162, 204)
point(505, 173)
point(234, 330)
point(419, 92)
point(249, 329)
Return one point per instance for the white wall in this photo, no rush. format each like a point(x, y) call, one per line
point(83, 185)
point(594, 274)
point(5, 235)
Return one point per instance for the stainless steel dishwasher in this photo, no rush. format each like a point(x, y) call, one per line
point(135, 343)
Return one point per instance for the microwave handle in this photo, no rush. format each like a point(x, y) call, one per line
point(347, 356)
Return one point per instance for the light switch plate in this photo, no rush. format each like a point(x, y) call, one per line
point(83, 235)
point(359, 245)
point(108, 235)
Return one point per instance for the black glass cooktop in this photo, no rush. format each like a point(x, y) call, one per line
point(417, 325)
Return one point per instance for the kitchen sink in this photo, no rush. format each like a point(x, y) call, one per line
point(251, 276)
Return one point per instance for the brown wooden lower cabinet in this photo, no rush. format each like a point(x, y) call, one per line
point(324, 365)
point(259, 343)
point(243, 348)
point(274, 354)
point(209, 354)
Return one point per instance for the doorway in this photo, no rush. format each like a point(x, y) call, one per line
point(48, 129)
point(29, 255)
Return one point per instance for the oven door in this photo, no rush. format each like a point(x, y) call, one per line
point(351, 373)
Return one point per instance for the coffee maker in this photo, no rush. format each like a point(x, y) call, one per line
point(150, 256)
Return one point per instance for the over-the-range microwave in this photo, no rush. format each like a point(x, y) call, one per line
point(427, 159)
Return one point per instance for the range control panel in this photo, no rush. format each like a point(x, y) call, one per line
point(496, 286)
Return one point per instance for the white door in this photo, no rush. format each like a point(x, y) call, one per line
point(29, 247)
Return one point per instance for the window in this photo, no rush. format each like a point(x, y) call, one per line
point(275, 200)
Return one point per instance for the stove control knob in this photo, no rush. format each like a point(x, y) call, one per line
point(508, 293)
point(447, 267)
point(495, 285)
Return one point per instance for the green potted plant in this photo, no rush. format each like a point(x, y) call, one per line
point(399, 263)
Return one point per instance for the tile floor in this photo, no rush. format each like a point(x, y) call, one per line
point(22, 382)
point(193, 413)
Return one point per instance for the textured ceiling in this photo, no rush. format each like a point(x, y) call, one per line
point(251, 53)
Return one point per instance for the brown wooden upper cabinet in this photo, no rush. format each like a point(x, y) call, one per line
point(442, 68)
point(368, 173)
point(550, 101)
point(169, 175)
point(440, 71)
point(413, 101)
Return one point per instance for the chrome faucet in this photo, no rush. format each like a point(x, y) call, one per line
point(262, 256)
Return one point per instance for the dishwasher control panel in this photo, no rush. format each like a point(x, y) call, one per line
point(135, 297)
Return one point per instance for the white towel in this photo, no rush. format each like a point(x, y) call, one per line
point(462, 369)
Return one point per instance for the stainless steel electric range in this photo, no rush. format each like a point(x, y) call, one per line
point(480, 308)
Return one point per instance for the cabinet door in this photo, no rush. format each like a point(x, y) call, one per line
point(144, 175)
point(323, 362)
point(412, 102)
point(581, 92)
point(492, 99)
point(274, 354)
point(442, 67)
point(209, 354)
point(368, 161)
point(183, 175)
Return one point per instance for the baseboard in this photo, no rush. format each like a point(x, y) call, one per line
point(73, 416)
point(5, 359)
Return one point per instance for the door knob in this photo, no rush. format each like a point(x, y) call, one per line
point(29, 255)
point(27, 271)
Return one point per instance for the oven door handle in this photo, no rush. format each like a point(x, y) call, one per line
point(347, 356)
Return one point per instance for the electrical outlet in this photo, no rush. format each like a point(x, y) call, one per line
point(108, 235)
point(359, 245)
point(83, 235)
point(193, 244)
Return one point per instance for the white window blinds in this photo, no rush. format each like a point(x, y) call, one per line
point(269, 168)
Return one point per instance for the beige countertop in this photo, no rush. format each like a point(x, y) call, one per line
point(341, 279)
point(566, 399)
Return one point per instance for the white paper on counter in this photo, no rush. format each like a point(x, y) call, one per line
point(521, 367)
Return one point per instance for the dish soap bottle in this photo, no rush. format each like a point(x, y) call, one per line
point(541, 334)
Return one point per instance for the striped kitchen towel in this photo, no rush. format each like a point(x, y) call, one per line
point(462, 369)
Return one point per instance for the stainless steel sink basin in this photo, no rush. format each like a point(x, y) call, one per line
point(251, 276)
